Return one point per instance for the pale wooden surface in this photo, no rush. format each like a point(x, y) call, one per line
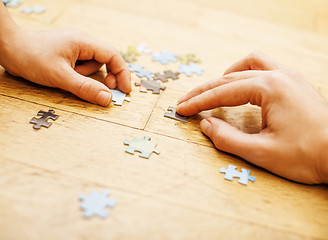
point(180, 193)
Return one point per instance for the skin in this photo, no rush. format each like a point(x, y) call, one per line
point(73, 56)
point(293, 141)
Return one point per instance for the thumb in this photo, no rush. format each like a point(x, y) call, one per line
point(230, 139)
point(86, 88)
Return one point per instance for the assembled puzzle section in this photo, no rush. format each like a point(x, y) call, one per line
point(142, 145)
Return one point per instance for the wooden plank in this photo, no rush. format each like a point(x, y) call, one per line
point(44, 205)
point(184, 177)
point(180, 193)
point(128, 114)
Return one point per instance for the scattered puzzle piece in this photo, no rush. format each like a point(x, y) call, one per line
point(142, 145)
point(188, 58)
point(133, 51)
point(135, 67)
point(158, 76)
point(150, 85)
point(243, 176)
point(43, 121)
point(143, 48)
point(172, 75)
point(26, 10)
point(145, 73)
point(35, 9)
point(164, 57)
point(119, 97)
point(95, 204)
point(128, 57)
point(190, 69)
point(172, 113)
point(167, 75)
point(12, 3)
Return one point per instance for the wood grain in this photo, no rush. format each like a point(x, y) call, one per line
point(180, 193)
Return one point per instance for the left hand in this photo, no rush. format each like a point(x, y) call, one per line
point(50, 58)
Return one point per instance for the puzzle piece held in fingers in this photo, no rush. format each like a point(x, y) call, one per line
point(172, 113)
point(119, 97)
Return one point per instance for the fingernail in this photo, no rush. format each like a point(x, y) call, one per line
point(206, 127)
point(103, 98)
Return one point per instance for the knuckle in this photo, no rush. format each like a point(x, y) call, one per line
point(255, 56)
point(84, 90)
point(229, 77)
point(219, 140)
point(294, 74)
point(275, 79)
point(75, 36)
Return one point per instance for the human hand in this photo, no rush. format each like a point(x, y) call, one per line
point(52, 59)
point(293, 142)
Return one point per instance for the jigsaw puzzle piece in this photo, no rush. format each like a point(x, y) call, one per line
point(143, 48)
point(164, 57)
point(150, 85)
point(95, 204)
point(188, 58)
point(190, 69)
point(230, 173)
point(245, 176)
point(119, 97)
point(145, 73)
point(128, 57)
point(133, 51)
point(135, 67)
point(43, 121)
point(142, 145)
point(172, 75)
point(158, 76)
point(172, 113)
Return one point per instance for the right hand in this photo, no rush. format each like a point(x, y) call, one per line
point(293, 142)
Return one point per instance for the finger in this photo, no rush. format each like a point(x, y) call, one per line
point(115, 63)
point(230, 94)
point(89, 67)
point(86, 88)
point(255, 61)
point(215, 83)
point(110, 81)
point(230, 139)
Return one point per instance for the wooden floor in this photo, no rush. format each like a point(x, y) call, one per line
point(180, 193)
